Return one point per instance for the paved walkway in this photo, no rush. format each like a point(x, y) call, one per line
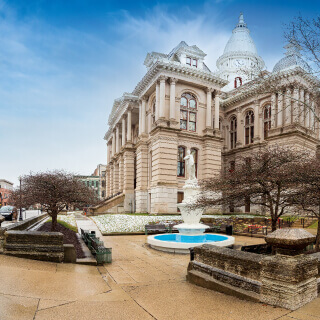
point(141, 283)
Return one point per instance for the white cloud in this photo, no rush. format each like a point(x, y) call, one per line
point(57, 86)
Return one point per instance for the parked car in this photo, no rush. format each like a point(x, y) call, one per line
point(9, 212)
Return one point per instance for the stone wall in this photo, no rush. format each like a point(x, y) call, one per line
point(225, 270)
point(288, 279)
point(36, 245)
point(21, 225)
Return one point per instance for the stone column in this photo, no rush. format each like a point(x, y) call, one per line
point(123, 142)
point(128, 180)
point(280, 109)
point(108, 181)
point(140, 118)
point(121, 174)
point(117, 138)
point(295, 105)
point(307, 110)
point(113, 143)
point(115, 178)
point(312, 112)
point(149, 122)
point(216, 110)
point(289, 278)
point(208, 111)
point(256, 121)
point(273, 110)
point(301, 107)
point(240, 128)
point(157, 100)
point(287, 107)
point(129, 124)
point(111, 179)
point(173, 99)
point(142, 177)
point(162, 96)
point(143, 115)
point(108, 152)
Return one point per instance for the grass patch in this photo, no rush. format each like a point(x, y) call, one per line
point(314, 225)
point(66, 225)
point(290, 218)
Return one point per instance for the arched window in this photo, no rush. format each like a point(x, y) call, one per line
point(266, 120)
point(237, 82)
point(188, 112)
point(249, 127)
point(233, 132)
point(181, 162)
point(194, 152)
point(153, 111)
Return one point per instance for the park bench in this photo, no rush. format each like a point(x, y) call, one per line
point(155, 228)
point(97, 248)
point(101, 253)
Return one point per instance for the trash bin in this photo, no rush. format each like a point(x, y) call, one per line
point(229, 230)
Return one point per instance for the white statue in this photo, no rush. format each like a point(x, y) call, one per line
point(190, 165)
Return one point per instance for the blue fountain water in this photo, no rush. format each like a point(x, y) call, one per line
point(203, 238)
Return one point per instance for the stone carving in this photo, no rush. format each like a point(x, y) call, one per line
point(190, 165)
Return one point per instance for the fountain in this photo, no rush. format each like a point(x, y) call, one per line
point(191, 231)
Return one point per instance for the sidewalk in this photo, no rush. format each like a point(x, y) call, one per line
point(86, 223)
point(141, 283)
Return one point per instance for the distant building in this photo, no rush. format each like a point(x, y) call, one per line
point(6, 188)
point(92, 182)
point(101, 172)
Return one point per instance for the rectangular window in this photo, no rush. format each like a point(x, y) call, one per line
point(195, 62)
point(247, 135)
point(183, 119)
point(188, 61)
point(192, 121)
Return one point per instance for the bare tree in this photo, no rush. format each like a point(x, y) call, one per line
point(305, 33)
point(267, 178)
point(54, 190)
point(309, 196)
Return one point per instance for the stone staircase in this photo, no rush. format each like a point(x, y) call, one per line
point(112, 205)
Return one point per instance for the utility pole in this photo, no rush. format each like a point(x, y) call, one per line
point(20, 216)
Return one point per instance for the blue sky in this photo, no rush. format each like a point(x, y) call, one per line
point(62, 63)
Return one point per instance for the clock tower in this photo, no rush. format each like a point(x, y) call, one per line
point(240, 60)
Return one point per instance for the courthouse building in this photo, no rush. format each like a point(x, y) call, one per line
point(181, 104)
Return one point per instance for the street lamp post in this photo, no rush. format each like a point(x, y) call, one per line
point(20, 216)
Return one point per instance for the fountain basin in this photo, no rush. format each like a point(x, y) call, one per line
point(191, 229)
point(179, 243)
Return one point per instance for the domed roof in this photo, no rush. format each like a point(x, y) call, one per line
point(292, 59)
point(240, 40)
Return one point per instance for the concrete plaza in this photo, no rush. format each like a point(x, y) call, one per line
point(141, 283)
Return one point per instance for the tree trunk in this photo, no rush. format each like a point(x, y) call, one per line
point(274, 224)
point(54, 221)
point(318, 235)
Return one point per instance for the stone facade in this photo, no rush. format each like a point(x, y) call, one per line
point(180, 104)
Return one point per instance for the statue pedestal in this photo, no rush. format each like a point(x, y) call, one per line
point(191, 217)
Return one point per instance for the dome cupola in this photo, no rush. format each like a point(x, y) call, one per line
point(240, 57)
point(292, 59)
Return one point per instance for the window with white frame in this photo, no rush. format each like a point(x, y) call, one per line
point(233, 132)
point(192, 62)
point(249, 127)
point(266, 120)
point(188, 112)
